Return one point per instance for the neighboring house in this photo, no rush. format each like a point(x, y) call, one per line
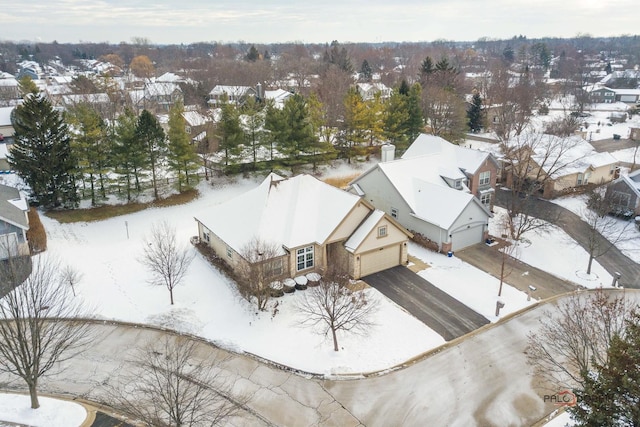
point(98, 101)
point(624, 193)
point(235, 94)
point(607, 95)
point(197, 125)
point(564, 164)
point(4, 162)
point(602, 95)
point(156, 96)
point(429, 191)
point(314, 226)
point(14, 223)
point(9, 89)
point(479, 168)
point(278, 97)
point(6, 127)
point(368, 91)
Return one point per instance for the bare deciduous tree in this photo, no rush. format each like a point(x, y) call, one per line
point(167, 262)
point(333, 306)
point(576, 335)
point(70, 276)
point(169, 384)
point(263, 264)
point(532, 162)
point(604, 230)
point(33, 338)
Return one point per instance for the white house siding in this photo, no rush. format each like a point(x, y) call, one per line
point(468, 229)
point(380, 193)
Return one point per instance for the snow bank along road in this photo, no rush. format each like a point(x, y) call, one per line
point(481, 379)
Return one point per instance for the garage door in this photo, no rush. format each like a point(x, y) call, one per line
point(628, 98)
point(466, 237)
point(380, 259)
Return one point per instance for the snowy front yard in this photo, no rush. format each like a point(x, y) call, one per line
point(115, 285)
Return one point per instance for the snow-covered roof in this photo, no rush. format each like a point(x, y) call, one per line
point(436, 204)
point(194, 118)
point(279, 96)
point(448, 154)
point(230, 90)
point(13, 206)
point(169, 78)
point(363, 230)
point(287, 211)
point(161, 89)
point(5, 116)
point(91, 98)
point(563, 156)
point(419, 182)
point(632, 180)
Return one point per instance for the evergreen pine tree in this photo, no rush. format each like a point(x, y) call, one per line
point(253, 55)
point(129, 156)
point(474, 114)
point(182, 158)
point(41, 154)
point(395, 119)
point(404, 88)
point(298, 136)
point(150, 134)
point(611, 394)
point(229, 131)
point(90, 147)
point(366, 71)
point(415, 120)
point(253, 127)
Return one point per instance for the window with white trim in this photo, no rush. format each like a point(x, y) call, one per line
point(394, 213)
point(304, 258)
point(621, 199)
point(485, 178)
point(485, 199)
point(229, 252)
point(205, 235)
point(580, 180)
point(458, 183)
point(382, 231)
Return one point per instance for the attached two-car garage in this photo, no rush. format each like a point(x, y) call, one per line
point(380, 259)
point(467, 237)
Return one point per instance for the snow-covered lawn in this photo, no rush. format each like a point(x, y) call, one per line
point(553, 251)
point(16, 408)
point(625, 233)
point(115, 285)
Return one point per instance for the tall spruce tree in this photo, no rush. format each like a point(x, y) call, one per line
point(474, 113)
point(297, 137)
point(415, 120)
point(181, 157)
point(253, 127)
point(150, 134)
point(611, 394)
point(41, 154)
point(90, 147)
point(129, 154)
point(229, 131)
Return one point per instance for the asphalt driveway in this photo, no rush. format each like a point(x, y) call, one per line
point(435, 308)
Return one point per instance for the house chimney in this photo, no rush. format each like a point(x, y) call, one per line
point(388, 153)
point(259, 91)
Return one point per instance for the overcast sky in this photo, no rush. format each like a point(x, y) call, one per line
point(271, 21)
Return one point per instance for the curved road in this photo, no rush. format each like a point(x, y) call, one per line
point(613, 260)
point(482, 379)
